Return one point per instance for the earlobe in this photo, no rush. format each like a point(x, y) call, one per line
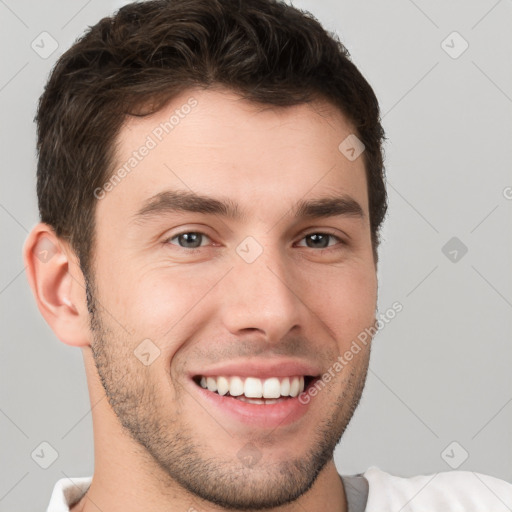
point(58, 285)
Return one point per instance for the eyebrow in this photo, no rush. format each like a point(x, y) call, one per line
point(173, 201)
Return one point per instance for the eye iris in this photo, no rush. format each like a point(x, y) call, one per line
point(191, 240)
point(318, 240)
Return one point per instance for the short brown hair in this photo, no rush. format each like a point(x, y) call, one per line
point(149, 52)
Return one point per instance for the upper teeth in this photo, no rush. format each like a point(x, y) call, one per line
point(252, 387)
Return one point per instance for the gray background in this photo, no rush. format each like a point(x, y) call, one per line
point(440, 371)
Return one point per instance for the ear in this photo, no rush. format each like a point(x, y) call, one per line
point(58, 285)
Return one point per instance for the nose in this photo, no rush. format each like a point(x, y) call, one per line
point(261, 296)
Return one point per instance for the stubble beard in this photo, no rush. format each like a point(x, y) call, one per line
point(183, 458)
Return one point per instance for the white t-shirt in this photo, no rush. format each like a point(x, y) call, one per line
point(376, 491)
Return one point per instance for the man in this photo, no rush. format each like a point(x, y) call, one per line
point(211, 190)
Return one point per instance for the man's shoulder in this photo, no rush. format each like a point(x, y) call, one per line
point(375, 490)
point(446, 491)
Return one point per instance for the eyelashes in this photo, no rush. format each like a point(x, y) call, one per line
point(189, 237)
point(321, 237)
point(195, 239)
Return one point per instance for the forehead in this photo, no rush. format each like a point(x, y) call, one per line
point(213, 142)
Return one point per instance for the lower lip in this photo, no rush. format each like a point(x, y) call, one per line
point(271, 416)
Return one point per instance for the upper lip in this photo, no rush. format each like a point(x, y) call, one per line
point(260, 368)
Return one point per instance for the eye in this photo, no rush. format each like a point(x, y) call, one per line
point(196, 239)
point(188, 240)
point(320, 240)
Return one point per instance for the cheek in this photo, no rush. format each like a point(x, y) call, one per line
point(345, 300)
point(156, 303)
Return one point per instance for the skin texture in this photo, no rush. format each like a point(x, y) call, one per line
point(158, 445)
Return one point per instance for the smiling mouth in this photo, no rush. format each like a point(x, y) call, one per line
point(254, 390)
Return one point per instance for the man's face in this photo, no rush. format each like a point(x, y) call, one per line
point(256, 298)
